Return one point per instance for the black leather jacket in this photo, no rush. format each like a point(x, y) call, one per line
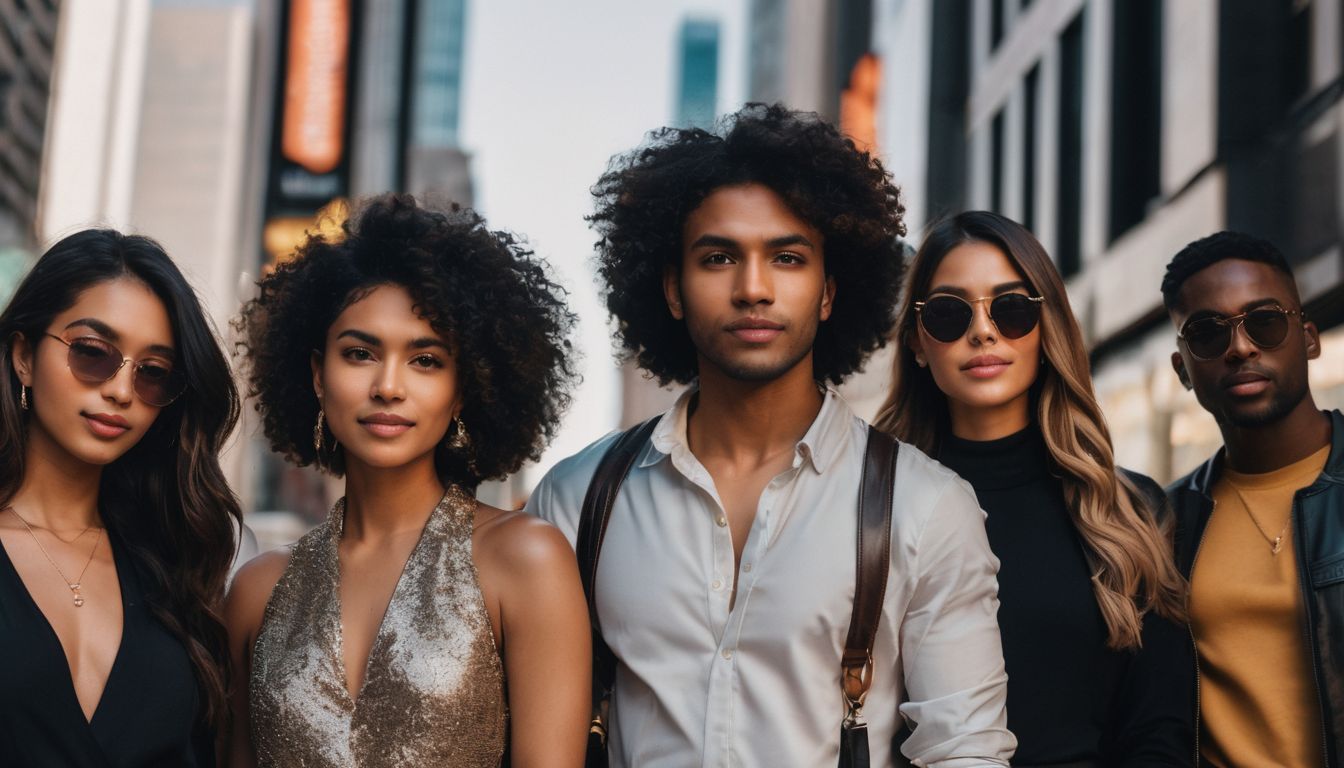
point(1318, 536)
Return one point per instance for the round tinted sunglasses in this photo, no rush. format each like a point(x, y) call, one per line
point(1209, 338)
point(94, 361)
point(947, 318)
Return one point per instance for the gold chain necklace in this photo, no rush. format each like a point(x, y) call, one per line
point(1276, 543)
point(74, 586)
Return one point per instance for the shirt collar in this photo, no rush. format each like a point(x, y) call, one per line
point(818, 447)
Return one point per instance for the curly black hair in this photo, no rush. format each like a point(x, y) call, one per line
point(483, 290)
point(1213, 249)
point(643, 199)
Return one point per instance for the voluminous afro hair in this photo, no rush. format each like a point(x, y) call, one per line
point(643, 200)
point(482, 290)
point(1215, 248)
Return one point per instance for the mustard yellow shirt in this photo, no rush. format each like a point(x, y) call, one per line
point(1258, 701)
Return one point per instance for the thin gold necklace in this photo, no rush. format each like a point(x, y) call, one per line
point(1276, 543)
point(74, 586)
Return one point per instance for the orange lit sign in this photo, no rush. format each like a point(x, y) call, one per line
point(312, 135)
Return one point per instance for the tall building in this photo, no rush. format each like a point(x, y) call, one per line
point(698, 86)
point(27, 47)
point(1118, 131)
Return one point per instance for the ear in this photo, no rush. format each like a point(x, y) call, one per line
point(917, 347)
point(21, 357)
point(827, 299)
point(315, 362)
point(672, 291)
point(1178, 365)
point(1313, 339)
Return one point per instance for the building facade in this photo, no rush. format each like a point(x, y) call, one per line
point(1118, 131)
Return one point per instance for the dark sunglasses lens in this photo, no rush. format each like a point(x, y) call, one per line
point(945, 318)
point(93, 361)
point(158, 384)
point(1208, 338)
point(1267, 327)
point(1014, 315)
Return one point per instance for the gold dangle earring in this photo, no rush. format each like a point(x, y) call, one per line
point(23, 397)
point(317, 433)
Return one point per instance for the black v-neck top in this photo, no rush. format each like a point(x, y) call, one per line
point(149, 713)
point(1070, 699)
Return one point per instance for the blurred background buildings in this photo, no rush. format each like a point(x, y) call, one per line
point(1117, 130)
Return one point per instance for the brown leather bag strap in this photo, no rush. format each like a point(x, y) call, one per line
point(595, 514)
point(874, 561)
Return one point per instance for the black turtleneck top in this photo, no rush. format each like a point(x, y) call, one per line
point(1070, 699)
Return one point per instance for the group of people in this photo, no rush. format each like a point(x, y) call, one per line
point(733, 601)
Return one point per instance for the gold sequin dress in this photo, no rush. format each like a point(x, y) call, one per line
point(433, 694)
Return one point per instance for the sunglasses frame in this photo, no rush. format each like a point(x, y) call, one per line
point(919, 307)
point(135, 369)
point(1235, 322)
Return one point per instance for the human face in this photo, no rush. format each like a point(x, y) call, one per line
point(95, 423)
point(1246, 386)
point(985, 375)
point(752, 286)
point(387, 381)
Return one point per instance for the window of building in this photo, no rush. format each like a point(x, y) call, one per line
point(996, 163)
point(1068, 219)
point(1136, 113)
point(1029, 129)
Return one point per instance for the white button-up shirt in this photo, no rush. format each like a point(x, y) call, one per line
point(706, 680)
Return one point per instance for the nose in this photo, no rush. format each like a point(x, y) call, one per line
point(1241, 346)
point(753, 284)
point(982, 330)
point(121, 387)
point(387, 384)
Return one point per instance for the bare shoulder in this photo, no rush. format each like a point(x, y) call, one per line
point(252, 587)
point(520, 544)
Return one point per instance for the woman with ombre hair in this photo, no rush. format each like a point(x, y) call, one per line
point(992, 379)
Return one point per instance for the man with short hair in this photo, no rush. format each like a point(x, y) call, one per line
point(1260, 525)
point(762, 264)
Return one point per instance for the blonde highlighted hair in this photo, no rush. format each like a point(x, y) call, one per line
point(1125, 534)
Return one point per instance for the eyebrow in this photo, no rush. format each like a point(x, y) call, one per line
point(719, 241)
point(424, 342)
point(1248, 306)
point(105, 330)
point(994, 291)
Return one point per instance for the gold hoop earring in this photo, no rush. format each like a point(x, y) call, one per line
point(317, 433)
point(23, 397)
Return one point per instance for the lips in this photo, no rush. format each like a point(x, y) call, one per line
point(755, 330)
point(1245, 383)
point(985, 366)
point(107, 425)
point(386, 424)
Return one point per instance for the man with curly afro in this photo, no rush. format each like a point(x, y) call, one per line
point(760, 264)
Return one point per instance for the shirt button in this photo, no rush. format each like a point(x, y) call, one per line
point(728, 654)
point(721, 520)
point(717, 584)
point(746, 567)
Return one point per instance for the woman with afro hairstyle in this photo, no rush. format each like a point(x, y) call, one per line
point(761, 263)
point(416, 355)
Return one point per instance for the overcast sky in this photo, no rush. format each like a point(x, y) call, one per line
point(552, 91)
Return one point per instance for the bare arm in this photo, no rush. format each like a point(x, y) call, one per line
point(542, 622)
point(243, 611)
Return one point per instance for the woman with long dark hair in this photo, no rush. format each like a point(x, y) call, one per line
point(992, 379)
point(116, 524)
point(415, 355)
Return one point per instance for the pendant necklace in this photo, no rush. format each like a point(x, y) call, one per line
point(1276, 543)
point(75, 585)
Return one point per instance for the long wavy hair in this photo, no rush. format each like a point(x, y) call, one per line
point(165, 498)
point(1126, 540)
